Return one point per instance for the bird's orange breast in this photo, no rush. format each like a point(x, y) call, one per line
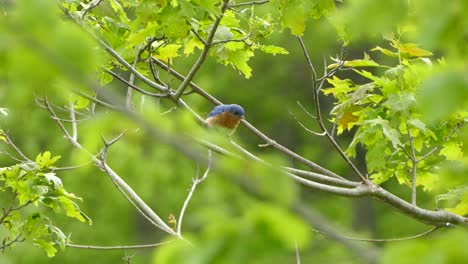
point(225, 120)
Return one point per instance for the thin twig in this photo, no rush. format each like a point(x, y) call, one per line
point(249, 3)
point(133, 86)
point(128, 192)
point(131, 80)
point(309, 61)
point(298, 257)
point(10, 142)
point(196, 181)
point(71, 167)
point(116, 247)
point(415, 166)
point(307, 129)
point(387, 239)
point(233, 40)
point(331, 139)
point(4, 245)
point(74, 123)
point(91, 6)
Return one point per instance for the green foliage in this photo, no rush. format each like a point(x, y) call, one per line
point(446, 247)
point(395, 115)
point(265, 233)
point(34, 185)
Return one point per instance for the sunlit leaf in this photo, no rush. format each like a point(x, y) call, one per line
point(452, 150)
point(47, 246)
point(413, 50)
point(273, 49)
point(385, 51)
point(168, 52)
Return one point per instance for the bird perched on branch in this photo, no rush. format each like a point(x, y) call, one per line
point(227, 116)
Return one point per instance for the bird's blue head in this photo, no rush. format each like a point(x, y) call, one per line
point(233, 109)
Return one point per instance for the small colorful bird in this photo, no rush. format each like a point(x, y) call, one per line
point(227, 116)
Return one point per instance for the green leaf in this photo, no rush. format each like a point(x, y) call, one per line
point(2, 137)
point(271, 49)
point(51, 178)
point(72, 210)
point(168, 52)
point(375, 156)
point(80, 102)
point(47, 246)
point(390, 133)
point(401, 102)
point(340, 87)
point(452, 150)
point(293, 16)
point(413, 50)
point(239, 59)
point(138, 38)
point(386, 51)
point(365, 62)
point(427, 180)
point(380, 177)
point(462, 207)
point(190, 45)
point(44, 160)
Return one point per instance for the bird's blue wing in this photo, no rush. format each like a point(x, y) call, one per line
point(219, 109)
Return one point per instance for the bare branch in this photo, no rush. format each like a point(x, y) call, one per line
point(233, 40)
point(305, 128)
point(298, 257)
point(425, 233)
point(198, 35)
point(73, 121)
point(71, 167)
point(309, 61)
point(10, 142)
point(117, 247)
point(4, 245)
point(91, 5)
point(317, 177)
point(415, 166)
point(196, 181)
point(114, 54)
point(249, 3)
point(93, 99)
point(315, 92)
point(133, 86)
point(128, 100)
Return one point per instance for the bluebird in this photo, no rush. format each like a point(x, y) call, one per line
point(227, 116)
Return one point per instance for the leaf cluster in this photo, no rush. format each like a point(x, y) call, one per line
point(30, 193)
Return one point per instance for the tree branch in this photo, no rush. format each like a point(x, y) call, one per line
point(196, 181)
point(70, 245)
point(10, 142)
point(425, 233)
point(207, 45)
point(249, 3)
point(315, 91)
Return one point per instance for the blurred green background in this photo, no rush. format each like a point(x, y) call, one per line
point(225, 222)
